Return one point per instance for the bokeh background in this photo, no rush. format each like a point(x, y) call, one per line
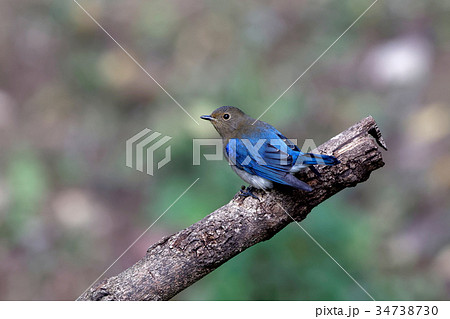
point(70, 98)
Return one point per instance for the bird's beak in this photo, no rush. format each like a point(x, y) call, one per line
point(207, 117)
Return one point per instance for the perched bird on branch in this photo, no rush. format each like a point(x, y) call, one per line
point(259, 153)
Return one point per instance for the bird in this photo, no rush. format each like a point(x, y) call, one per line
point(259, 154)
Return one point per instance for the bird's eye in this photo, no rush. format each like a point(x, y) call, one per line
point(226, 116)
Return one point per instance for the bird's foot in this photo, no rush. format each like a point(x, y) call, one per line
point(247, 192)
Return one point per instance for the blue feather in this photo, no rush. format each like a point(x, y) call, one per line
point(260, 153)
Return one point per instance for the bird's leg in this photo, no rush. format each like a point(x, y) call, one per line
point(247, 192)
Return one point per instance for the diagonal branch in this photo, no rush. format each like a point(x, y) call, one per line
point(177, 261)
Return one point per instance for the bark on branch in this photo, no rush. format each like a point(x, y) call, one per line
point(177, 261)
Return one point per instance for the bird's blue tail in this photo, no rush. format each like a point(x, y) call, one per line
point(319, 159)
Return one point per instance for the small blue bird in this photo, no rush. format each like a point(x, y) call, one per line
point(259, 153)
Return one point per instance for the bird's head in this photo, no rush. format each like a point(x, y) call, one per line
point(227, 119)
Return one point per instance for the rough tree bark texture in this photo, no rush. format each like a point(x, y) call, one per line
point(177, 261)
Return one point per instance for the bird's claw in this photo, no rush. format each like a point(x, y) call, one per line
point(248, 192)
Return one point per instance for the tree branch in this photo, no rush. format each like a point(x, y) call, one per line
point(177, 261)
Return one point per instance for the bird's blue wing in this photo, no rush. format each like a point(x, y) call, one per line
point(272, 161)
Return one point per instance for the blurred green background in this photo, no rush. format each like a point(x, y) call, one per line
point(70, 98)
